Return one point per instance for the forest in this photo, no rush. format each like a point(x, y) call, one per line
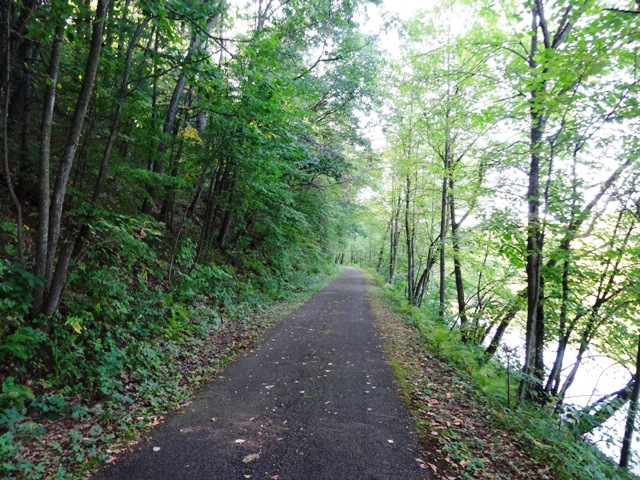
point(170, 169)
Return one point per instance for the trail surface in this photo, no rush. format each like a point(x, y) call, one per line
point(316, 400)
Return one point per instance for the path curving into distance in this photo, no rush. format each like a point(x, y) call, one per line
point(315, 400)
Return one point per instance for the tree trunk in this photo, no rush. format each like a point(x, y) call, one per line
point(527, 386)
point(394, 240)
point(410, 244)
point(197, 44)
point(443, 237)
point(629, 427)
point(6, 84)
point(115, 122)
point(229, 215)
point(553, 382)
point(512, 311)
point(423, 281)
point(207, 227)
point(596, 414)
point(66, 162)
point(26, 81)
point(44, 176)
point(564, 332)
point(381, 254)
point(457, 267)
point(585, 340)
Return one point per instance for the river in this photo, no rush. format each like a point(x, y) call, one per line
point(598, 376)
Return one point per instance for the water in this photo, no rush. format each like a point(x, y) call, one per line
point(598, 375)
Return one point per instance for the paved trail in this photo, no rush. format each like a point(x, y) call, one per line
point(316, 400)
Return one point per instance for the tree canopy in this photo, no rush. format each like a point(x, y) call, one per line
point(166, 162)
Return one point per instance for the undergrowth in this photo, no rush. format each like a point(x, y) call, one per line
point(463, 412)
point(126, 350)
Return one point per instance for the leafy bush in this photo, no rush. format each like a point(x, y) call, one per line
point(19, 340)
point(14, 395)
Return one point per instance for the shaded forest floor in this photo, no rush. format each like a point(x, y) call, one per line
point(465, 434)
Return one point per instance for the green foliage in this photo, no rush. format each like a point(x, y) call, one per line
point(548, 442)
point(19, 340)
point(14, 395)
point(22, 343)
point(180, 228)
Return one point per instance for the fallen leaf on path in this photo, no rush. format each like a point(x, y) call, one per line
point(251, 458)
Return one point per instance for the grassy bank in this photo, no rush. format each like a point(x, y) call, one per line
point(462, 411)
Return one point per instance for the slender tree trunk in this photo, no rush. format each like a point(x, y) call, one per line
point(44, 175)
point(423, 281)
point(196, 45)
point(629, 428)
point(170, 120)
point(479, 332)
point(6, 84)
point(115, 122)
point(443, 238)
point(394, 241)
point(512, 311)
point(563, 330)
point(596, 414)
point(207, 228)
point(147, 206)
point(534, 235)
point(157, 165)
point(457, 267)
point(585, 340)
point(66, 162)
point(381, 254)
point(26, 80)
point(539, 365)
point(227, 220)
point(553, 382)
point(410, 245)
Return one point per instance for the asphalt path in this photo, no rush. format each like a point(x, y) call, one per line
point(315, 400)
